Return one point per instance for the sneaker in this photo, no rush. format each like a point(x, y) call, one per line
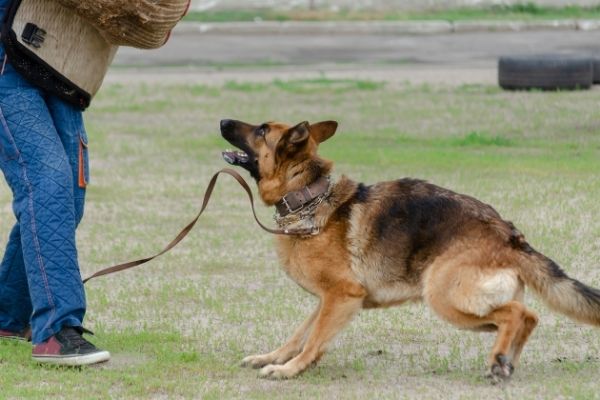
point(25, 334)
point(68, 347)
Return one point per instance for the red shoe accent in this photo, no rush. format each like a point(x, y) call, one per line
point(25, 335)
point(68, 347)
point(51, 347)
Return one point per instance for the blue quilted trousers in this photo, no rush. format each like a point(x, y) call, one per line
point(43, 156)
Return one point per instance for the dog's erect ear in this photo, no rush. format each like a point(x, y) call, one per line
point(299, 133)
point(293, 139)
point(321, 131)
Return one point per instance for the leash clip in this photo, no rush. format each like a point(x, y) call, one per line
point(33, 35)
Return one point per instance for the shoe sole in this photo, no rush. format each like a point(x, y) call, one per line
point(74, 361)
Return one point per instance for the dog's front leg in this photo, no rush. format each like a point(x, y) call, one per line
point(290, 349)
point(336, 311)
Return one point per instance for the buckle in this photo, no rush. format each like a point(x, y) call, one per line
point(289, 208)
point(310, 195)
point(33, 35)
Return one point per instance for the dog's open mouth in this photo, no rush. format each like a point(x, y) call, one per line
point(235, 157)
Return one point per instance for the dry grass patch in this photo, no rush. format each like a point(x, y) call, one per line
point(179, 326)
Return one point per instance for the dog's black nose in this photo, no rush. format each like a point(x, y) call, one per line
point(227, 125)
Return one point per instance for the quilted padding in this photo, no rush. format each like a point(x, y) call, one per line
point(40, 282)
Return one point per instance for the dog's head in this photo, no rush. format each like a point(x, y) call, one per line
point(281, 158)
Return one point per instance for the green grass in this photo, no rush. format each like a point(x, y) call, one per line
point(306, 86)
point(519, 11)
point(178, 327)
point(481, 139)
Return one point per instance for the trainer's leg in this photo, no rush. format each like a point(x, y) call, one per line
point(15, 303)
point(68, 121)
point(40, 177)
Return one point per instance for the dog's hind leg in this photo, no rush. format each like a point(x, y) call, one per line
point(514, 323)
point(514, 326)
point(289, 350)
point(530, 321)
point(336, 311)
point(473, 297)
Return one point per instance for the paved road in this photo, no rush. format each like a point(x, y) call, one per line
point(459, 49)
point(450, 59)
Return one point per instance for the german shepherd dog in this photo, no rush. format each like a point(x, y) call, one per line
point(388, 243)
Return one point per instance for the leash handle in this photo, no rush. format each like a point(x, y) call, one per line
point(184, 232)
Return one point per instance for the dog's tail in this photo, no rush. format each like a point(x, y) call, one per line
point(559, 291)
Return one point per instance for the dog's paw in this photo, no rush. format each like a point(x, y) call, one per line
point(501, 370)
point(278, 372)
point(256, 361)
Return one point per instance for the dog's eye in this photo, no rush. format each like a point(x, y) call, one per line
point(262, 130)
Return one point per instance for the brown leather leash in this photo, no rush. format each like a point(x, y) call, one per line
point(188, 228)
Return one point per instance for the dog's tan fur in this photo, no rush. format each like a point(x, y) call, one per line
point(393, 242)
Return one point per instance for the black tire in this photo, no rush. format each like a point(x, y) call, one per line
point(545, 72)
point(596, 65)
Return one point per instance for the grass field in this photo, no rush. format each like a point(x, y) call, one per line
point(178, 327)
point(521, 11)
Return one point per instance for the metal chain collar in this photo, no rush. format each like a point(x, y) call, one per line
point(304, 218)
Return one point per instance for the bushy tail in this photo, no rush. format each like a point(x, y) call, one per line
point(560, 292)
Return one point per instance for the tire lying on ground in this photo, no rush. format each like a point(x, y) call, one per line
point(545, 72)
point(596, 66)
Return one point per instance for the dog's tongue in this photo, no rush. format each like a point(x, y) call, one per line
point(235, 157)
